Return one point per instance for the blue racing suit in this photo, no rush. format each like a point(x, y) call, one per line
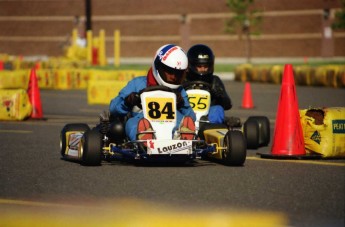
point(118, 108)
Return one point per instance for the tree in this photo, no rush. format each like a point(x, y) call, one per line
point(246, 21)
point(339, 18)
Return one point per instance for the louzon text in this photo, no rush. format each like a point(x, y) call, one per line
point(174, 147)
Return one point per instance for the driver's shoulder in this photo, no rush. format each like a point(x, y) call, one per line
point(215, 77)
point(216, 80)
point(139, 81)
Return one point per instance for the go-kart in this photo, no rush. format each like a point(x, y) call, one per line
point(256, 129)
point(107, 141)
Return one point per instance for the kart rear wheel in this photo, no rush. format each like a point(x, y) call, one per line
point(235, 152)
point(91, 145)
point(69, 128)
point(251, 132)
point(264, 129)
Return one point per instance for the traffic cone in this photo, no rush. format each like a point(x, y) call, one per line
point(38, 65)
point(288, 141)
point(34, 96)
point(247, 100)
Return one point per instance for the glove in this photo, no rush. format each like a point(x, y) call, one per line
point(132, 100)
point(104, 116)
point(179, 100)
point(216, 93)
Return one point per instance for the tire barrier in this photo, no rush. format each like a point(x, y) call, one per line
point(326, 75)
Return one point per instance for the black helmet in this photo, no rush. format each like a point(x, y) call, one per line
point(198, 55)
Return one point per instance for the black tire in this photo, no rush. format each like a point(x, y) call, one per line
point(251, 132)
point(91, 148)
point(68, 128)
point(264, 130)
point(236, 152)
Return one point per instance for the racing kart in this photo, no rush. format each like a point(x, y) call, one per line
point(256, 129)
point(107, 141)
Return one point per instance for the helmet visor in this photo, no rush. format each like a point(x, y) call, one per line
point(170, 75)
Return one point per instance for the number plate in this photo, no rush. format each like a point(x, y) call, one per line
point(160, 109)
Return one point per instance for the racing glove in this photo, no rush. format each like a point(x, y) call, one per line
point(179, 100)
point(132, 100)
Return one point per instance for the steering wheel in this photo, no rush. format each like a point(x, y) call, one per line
point(197, 84)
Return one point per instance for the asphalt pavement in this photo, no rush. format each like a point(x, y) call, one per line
point(38, 187)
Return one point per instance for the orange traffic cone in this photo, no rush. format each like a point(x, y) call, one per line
point(247, 101)
point(34, 96)
point(38, 65)
point(288, 141)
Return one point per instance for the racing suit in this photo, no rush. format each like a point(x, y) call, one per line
point(118, 108)
point(220, 100)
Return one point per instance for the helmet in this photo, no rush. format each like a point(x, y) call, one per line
point(169, 66)
point(200, 54)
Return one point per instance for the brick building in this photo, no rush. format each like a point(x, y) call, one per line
point(290, 28)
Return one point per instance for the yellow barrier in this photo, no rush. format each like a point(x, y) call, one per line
point(14, 79)
point(127, 75)
point(121, 75)
point(324, 130)
point(103, 74)
point(71, 79)
point(15, 104)
point(64, 78)
point(45, 78)
point(102, 91)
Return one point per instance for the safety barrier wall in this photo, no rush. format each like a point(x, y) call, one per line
point(63, 79)
point(326, 75)
point(101, 85)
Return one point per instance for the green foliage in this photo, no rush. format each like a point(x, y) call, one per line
point(245, 19)
point(339, 20)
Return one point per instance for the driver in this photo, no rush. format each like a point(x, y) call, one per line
point(168, 69)
point(201, 66)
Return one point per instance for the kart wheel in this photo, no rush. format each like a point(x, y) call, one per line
point(264, 130)
point(251, 132)
point(91, 145)
point(69, 128)
point(235, 153)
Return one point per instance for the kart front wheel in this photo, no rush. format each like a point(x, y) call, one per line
point(69, 128)
point(235, 152)
point(91, 145)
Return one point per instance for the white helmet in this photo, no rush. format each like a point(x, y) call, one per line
point(170, 60)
